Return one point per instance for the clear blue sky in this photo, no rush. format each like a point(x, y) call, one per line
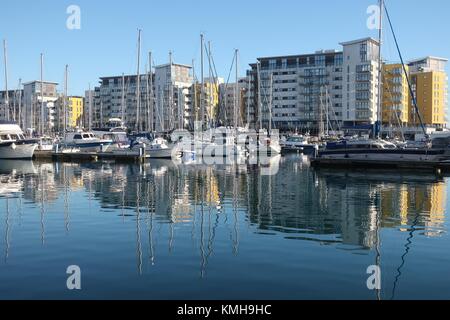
point(106, 43)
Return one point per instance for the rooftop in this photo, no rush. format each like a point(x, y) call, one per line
point(359, 41)
point(426, 58)
point(321, 52)
point(39, 81)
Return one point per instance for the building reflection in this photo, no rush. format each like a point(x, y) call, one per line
point(324, 206)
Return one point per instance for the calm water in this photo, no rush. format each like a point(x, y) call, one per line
point(166, 231)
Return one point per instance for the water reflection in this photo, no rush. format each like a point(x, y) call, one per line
point(344, 209)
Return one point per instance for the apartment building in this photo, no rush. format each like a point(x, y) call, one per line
point(430, 87)
point(315, 92)
point(39, 101)
point(297, 92)
point(209, 100)
point(164, 104)
point(173, 100)
point(395, 95)
point(360, 82)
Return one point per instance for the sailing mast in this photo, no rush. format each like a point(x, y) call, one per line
point(171, 102)
point(236, 93)
point(202, 90)
point(258, 67)
point(123, 99)
point(150, 111)
point(138, 83)
point(209, 106)
point(147, 99)
point(411, 91)
point(42, 96)
point(90, 109)
point(6, 81)
point(20, 104)
point(249, 90)
point(321, 125)
point(270, 102)
point(194, 79)
point(65, 99)
point(379, 124)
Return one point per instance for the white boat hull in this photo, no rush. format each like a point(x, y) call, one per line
point(159, 153)
point(13, 151)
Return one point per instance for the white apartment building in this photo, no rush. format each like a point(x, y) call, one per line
point(40, 104)
point(360, 81)
point(297, 92)
point(165, 101)
point(319, 91)
point(173, 102)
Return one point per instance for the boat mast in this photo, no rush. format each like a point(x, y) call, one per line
point(101, 113)
point(236, 92)
point(327, 112)
point(210, 106)
point(42, 96)
point(138, 84)
point(123, 99)
point(65, 99)
point(321, 125)
point(258, 67)
point(147, 99)
point(202, 90)
point(194, 80)
point(150, 111)
point(20, 104)
point(6, 81)
point(171, 102)
point(411, 91)
point(270, 102)
point(380, 74)
point(90, 109)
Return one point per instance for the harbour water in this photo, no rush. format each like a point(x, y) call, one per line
point(177, 231)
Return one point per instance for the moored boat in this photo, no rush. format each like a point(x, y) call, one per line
point(86, 142)
point(13, 144)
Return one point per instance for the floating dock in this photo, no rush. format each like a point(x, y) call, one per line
point(89, 156)
point(410, 165)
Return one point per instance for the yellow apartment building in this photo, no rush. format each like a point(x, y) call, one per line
point(395, 110)
point(210, 99)
point(75, 111)
point(430, 84)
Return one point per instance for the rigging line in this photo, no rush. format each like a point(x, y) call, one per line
point(407, 250)
point(406, 74)
point(216, 78)
point(228, 80)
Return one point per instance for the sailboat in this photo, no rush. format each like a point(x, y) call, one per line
point(377, 150)
point(13, 144)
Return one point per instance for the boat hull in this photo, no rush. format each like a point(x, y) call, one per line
point(159, 153)
point(90, 146)
point(21, 150)
point(400, 155)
